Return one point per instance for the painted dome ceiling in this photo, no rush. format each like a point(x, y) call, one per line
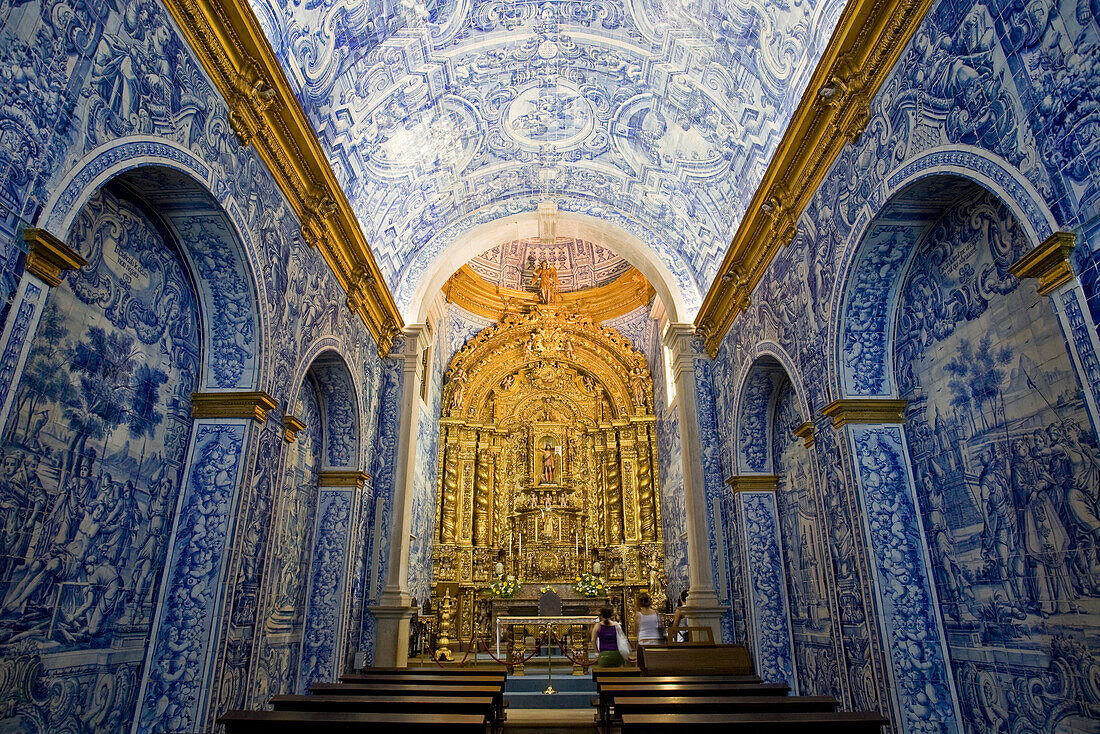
point(580, 264)
point(656, 116)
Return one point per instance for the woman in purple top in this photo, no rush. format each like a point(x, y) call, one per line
point(605, 639)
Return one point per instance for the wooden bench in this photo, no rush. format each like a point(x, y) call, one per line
point(773, 723)
point(473, 705)
point(326, 722)
point(489, 670)
point(695, 660)
point(435, 680)
point(608, 692)
point(650, 680)
point(625, 705)
point(615, 672)
point(386, 690)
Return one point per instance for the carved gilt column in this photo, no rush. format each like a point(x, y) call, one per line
point(628, 481)
point(614, 487)
point(647, 509)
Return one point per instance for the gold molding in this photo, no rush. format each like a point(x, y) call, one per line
point(263, 111)
point(806, 433)
point(232, 404)
point(864, 46)
point(865, 410)
point(47, 256)
point(1048, 262)
point(469, 290)
point(342, 478)
point(291, 426)
point(754, 482)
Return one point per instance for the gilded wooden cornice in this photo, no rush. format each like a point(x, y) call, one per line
point(47, 256)
point(263, 111)
point(806, 433)
point(291, 426)
point(754, 482)
point(865, 410)
point(342, 478)
point(864, 47)
point(232, 404)
point(1048, 262)
point(469, 290)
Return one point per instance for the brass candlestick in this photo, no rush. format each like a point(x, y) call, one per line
point(446, 618)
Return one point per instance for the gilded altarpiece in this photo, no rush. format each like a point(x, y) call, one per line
point(547, 456)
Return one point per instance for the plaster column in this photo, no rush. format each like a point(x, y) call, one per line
point(769, 614)
point(46, 257)
point(922, 694)
point(703, 609)
point(328, 601)
point(394, 608)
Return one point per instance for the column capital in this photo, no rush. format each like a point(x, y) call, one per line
point(291, 426)
point(232, 404)
point(47, 256)
point(754, 482)
point(342, 478)
point(806, 433)
point(865, 410)
point(1048, 262)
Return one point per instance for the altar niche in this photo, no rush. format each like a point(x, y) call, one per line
point(547, 456)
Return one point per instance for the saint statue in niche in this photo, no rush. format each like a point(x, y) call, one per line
point(637, 386)
point(548, 468)
point(546, 280)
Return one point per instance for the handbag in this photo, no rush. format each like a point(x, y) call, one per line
point(621, 641)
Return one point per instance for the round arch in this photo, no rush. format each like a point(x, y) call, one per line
point(877, 254)
point(678, 291)
point(341, 408)
point(211, 234)
point(758, 385)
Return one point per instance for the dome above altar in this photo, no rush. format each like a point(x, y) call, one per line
point(580, 264)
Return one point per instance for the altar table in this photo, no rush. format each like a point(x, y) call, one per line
point(579, 624)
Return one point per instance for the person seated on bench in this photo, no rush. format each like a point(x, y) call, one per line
point(648, 622)
point(609, 640)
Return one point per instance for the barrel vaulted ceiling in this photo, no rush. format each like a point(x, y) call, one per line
point(657, 116)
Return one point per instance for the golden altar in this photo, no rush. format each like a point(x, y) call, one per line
point(547, 466)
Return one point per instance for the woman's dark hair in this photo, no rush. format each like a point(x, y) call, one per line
point(684, 596)
point(606, 612)
point(644, 600)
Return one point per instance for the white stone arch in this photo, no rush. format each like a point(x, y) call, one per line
point(679, 305)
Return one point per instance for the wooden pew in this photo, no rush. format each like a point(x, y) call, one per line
point(625, 705)
point(448, 670)
point(343, 722)
point(615, 672)
point(695, 660)
point(435, 680)
point(475, 705)
point(384, 690)
point(842, 722)
point(608, 692)
point(650, 680)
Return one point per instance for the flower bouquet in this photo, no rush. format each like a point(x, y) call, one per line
point(506, 587)
point(590, 585)
point(546, 588)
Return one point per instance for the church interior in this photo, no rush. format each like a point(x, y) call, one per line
point(409, 337)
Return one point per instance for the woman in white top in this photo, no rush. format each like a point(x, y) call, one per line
point(648, 622)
